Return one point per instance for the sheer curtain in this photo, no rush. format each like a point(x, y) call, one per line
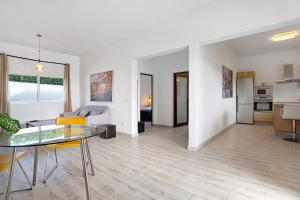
point(4, 106)
point(67, 89)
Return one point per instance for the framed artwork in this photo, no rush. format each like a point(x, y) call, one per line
point(227, 82)
point(101, 86)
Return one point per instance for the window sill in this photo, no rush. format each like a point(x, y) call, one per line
point(37, 102)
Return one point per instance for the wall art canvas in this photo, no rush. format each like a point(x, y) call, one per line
point(227, 82)
point(101, 86)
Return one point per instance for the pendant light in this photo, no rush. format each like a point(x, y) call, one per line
point(39, 66)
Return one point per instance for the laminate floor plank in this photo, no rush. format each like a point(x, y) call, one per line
point(242, 163)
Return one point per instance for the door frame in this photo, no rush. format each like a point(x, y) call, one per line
point(184, 74)
point(152, 98)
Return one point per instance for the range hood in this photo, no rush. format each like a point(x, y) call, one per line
point(288, 74)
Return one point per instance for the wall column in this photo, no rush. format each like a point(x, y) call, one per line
point(134, 97)
point(196, 98)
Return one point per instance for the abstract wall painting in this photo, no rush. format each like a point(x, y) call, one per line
point(227, 82)
point(101, 86)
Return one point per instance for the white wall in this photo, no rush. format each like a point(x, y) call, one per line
point(215, 21)
point(44, 110)
point(214, 113)
point(269, 69)
point(163, 68)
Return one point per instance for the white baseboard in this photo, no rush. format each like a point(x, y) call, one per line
point(134, 135)
point(198, 147)
point(162, 125)
point(129, 134)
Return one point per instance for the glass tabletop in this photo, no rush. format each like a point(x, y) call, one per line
point(51, 134)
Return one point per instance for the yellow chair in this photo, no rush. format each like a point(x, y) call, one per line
point(66, 121)
point(70, 120)
point(5, 164)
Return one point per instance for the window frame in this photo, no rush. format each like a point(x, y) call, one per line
point(38, 100)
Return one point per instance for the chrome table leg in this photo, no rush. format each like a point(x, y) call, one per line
point(26, 176)
point(85, 176)
point(35, 164)
point(47, 176)
point(89, 157)
point(10, 175)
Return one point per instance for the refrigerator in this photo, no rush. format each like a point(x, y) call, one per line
point(244, 100)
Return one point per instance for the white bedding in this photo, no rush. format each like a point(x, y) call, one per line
point(146, 108)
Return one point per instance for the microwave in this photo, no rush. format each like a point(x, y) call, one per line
point(263, 92)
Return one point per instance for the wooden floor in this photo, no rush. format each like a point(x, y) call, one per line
point(244, 162)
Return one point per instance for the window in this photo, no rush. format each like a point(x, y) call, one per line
point(51, 88)
point(22, 88)
point(35, 88)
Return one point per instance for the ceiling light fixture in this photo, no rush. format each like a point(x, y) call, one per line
point(39, 66)
point(284, 36)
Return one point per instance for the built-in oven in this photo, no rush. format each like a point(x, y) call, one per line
point(263, 106)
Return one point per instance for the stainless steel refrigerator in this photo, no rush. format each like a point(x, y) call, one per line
point(244, 100)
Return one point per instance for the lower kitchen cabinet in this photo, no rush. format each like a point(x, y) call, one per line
point(263, 116)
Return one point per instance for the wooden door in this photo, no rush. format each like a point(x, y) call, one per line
point(181, 99)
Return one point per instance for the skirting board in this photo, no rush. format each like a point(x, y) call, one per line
point(129, 134)
point(161, 125)
point(191, 148)
point(134, 135)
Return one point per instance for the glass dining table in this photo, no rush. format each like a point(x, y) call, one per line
point(47, 135)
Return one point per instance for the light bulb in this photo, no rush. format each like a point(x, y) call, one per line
point(39, 66)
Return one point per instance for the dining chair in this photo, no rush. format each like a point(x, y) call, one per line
point(5, 164)
point(67, 121)
point(292, 112)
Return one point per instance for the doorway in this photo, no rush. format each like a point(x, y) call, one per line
point(146, 98)
point(181, 99)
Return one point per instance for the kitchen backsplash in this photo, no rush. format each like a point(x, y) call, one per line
point(286, 92)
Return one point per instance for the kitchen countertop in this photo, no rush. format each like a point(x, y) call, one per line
point(280, 103)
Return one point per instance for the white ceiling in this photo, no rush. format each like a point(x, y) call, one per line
point(80, 26)
point(260, 43)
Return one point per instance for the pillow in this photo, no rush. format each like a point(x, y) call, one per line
point(98, 110)
point(83, 113)
point(70, 114)
point(9, 124)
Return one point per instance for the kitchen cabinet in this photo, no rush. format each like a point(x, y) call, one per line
point(263, 116)
point(282, 125)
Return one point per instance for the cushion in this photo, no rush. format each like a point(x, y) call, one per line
point(97, 110)
point(9, 124)
point(45, 122)
point(83, 113)
point(89, 110)
point(70, 114)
